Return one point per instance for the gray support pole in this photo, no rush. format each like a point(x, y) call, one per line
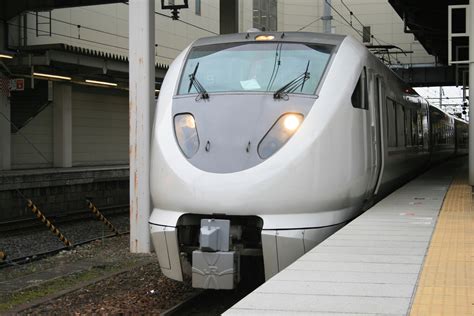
point(142, 95)
point(62, 125)
point(441, 97)
point(327, 16)
point(471, 93)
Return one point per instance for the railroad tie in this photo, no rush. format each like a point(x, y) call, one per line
point(48, 224)
point(101, 217)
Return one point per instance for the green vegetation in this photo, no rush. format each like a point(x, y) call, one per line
point(13, 300)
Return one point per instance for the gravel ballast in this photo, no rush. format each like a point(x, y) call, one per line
point(40, 239)
point(135, 286)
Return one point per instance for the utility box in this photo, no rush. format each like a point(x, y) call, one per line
point(215, 270)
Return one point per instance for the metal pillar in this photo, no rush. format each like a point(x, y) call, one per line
point(471, 94)
point(62, 125)
point(142, 93)
point(327, 17)
point(441, 97)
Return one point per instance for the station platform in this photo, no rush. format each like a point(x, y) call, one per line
point(410, 254)
point(58, 191)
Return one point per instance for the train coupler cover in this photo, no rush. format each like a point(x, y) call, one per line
point(215, 270)
point(214, 266)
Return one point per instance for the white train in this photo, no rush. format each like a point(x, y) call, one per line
point(264, 144)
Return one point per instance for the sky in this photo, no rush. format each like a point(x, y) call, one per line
point(451, 100)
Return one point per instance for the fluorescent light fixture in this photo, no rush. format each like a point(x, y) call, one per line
point(39, 74)
point(157, 90)
point(104, 83)
point(6, 56)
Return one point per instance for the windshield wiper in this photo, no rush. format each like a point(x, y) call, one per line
point(294, 84)
point(197, 85)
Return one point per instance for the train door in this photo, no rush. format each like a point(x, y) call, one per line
point(377, 95)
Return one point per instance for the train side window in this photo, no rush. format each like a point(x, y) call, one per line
point(420, 127)
point(408, 133)
point(391, 124)
point(400, 125)
point(414, 127)
point(360, 96)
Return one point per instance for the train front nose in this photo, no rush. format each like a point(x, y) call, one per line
point(227, 134)
point(227, 148)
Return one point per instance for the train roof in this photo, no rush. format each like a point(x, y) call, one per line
point(306, 37)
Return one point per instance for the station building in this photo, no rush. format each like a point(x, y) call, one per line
point(64, 119)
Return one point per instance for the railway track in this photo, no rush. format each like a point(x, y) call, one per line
point(29, 240)
point(209, 302)
point(41, 255)
point(33, 223)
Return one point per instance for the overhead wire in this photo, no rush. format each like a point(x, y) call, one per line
point(190, 24)
point(342, 17)
point(68, 36)
point(77, 25)
point(309, 24)
point(352, 13)
point(361, 33)
point(95, 30)
point(76, 38)
point(179, 20)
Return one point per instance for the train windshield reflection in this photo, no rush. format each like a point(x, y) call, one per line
point(254, 67)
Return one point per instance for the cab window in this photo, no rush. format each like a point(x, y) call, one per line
point(360, 96)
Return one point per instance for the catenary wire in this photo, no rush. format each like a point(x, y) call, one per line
point(79, 39)
point(95, 30)
point(307, 25)
point(352, 13)
point(355, 29)
point(179, 20)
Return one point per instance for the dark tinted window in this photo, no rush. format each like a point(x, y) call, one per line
point(360, 96)
point(391, 124)
point(400, 125)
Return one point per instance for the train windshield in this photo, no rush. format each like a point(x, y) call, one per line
point(255, 67)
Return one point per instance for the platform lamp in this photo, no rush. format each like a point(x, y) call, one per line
point(174, 6)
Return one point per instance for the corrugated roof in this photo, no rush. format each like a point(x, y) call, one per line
point(82, 51)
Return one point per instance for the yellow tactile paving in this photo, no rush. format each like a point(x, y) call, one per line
point(446, 285)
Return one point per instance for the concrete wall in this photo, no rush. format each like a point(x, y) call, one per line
point(38, 133)
point(99, 131)
point(385, 23)
point(105, 28)
point(99, 126)
point(60, 192)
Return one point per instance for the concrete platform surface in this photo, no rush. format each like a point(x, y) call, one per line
point(371, 266)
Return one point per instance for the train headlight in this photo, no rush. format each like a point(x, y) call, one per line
point(279, 134)
point(186, 134)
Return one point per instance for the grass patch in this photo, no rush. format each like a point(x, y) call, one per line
point(13, 300)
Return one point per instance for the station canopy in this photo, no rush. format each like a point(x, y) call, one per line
point(428, 21)
point(12, 8)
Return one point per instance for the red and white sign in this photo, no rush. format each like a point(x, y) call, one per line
point(17, 84)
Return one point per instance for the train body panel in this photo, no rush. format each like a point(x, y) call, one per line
point(462, 136)
point(283, 168)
